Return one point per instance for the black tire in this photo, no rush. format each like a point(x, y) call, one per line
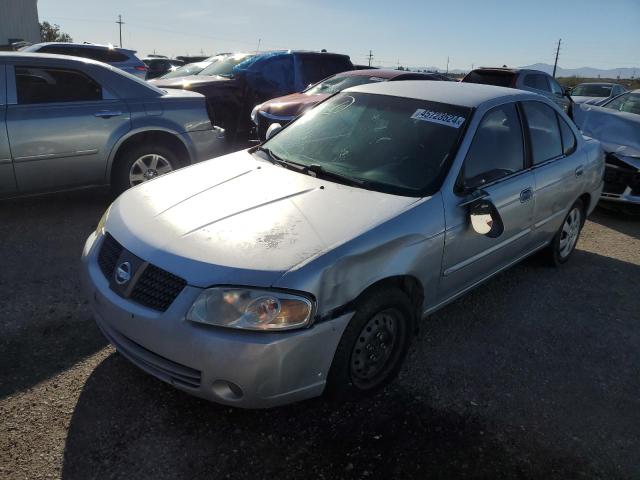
point(556, 255)
point(343, 381)
point(120, 177)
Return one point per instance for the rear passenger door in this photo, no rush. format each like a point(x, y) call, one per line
point(61, 125)
point(7, 178)
point(495, 163)
point(556, 166)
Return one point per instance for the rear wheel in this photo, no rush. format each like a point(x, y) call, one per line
point(142, 163)
point(564, 242)
point(373, 345)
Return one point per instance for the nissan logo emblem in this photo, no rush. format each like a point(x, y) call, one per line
point(123, 273)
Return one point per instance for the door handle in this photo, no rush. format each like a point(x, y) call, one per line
point(526, 195)
point(108, 113)
point(579, 171)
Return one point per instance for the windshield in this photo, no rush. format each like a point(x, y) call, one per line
point(392, 144)
point(629, 102)
point(191, 68)
point(490, 77)
point(225, 66)
point(339, 82)
point(591, 91)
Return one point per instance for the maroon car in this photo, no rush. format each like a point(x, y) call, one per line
point(284, 109)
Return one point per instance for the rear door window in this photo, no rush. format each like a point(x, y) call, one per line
point(546, 140)
point(48, 85)
point(497, 149)
point(489, 77)
point(537, 81)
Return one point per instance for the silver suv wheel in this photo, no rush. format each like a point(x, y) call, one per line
point(570, 232)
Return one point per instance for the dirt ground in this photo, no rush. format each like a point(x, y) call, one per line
point(536, 374)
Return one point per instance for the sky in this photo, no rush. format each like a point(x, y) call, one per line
point(413, 33)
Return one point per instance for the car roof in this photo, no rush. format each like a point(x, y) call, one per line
point(18, 56)
point(82, 45)
point(386, 73)
point(508, 70)
point(597, 83)
point(453, 93)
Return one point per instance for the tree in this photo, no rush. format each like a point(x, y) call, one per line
point(52, 33)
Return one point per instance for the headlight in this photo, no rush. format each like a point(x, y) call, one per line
point(254, 114)
point(249, 309)
point(102, 221)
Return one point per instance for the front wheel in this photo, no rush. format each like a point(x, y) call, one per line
point(373, 345)
point(564, 242)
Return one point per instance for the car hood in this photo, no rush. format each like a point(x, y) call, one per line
point(589, 100)
point(618, 132)
point(241, 220)
point(292, 105)
point(188, 81)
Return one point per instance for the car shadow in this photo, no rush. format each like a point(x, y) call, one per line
point(532, 375)
point(45, 323)
point(619, 221)
point(127, 425)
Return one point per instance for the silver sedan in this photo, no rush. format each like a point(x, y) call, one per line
point(304, 265)
point(67, 122)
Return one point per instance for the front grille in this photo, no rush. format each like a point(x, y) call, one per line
point(619, 175)
point(109, 254)
point(157, 288)
point(161, 367)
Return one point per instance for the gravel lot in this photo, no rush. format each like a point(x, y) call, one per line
point(536, 374)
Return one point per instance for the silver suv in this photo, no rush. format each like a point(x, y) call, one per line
point(69, 122)
point(122, 58)
point(305, 264)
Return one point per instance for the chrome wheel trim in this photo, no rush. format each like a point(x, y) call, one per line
point(374, 347)
point(570, 232)
point(148, 166)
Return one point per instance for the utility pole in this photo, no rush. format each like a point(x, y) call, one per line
point(258, 49)
point(370, 57)
point(555, 65)
point(120, 23)
point(447, 65)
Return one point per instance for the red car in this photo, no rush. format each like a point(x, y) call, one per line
point(284, 109)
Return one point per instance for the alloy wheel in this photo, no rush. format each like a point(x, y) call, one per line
point(570, 232)
point(147, 167)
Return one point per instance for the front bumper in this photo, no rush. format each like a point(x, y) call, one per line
point(244, 369)
point(622, 180)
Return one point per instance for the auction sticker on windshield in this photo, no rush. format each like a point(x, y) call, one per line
point(442, 118)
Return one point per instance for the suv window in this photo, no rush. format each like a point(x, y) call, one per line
point(497, 148)
point(546, 141)
point(47, 85)
point(277, 73)
point(315, 67)
point(629, 102)
point(555, 87)
point(537, 81)
point(490, 77)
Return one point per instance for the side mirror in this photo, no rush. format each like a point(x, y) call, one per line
point(273, 129)
point(483, 214)
point(567, 91)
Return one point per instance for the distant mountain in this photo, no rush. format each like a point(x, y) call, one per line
point(584, 72)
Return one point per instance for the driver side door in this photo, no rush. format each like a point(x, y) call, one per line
point(496, 165)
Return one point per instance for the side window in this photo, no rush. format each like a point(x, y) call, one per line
point(537, 81)
point(311, 69)
point(497, 148)
point(568, 138)
point(277, 75)
point(546, 142)
point(335, 64)
point(555, 87)
point(47, 85)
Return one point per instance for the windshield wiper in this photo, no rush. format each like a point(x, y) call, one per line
point(275, 159)
point(320, 172)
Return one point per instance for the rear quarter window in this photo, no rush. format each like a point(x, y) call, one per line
point(500, 79)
